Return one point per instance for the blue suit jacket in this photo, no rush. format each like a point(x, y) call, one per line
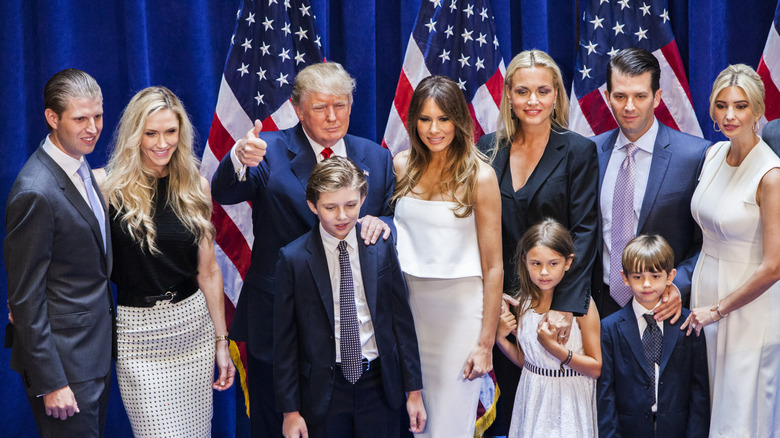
point(277, 189)
point(304, 344)
point(625, 388)
point(666, 207)
point(771, 135)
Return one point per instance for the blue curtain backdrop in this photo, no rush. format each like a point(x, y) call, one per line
point(131, 44)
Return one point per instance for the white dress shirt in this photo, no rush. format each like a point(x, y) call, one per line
point(644, 158)
point(367, 338)
point(340, 149)
point(69, 165)
point(639, 311)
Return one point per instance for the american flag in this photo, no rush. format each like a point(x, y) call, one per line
point(609, 26)
point(272, 41)
point(769, 69)
point(454, 38)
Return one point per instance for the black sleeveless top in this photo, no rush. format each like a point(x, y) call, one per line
point(137, 272)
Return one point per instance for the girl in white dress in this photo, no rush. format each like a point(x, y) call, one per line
point(735, 291)
point(556, 396)
point(448, 220)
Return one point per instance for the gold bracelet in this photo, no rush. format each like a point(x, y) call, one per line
point(716, 309)
point(222, 338)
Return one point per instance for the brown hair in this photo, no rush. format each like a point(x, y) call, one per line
point(333, 174)
point(648, 252)
point(67, 85)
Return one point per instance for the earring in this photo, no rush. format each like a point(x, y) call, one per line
point(755, 127)
point(715, 126)
point(553, 112)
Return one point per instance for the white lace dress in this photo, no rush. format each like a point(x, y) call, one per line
point(549, 404)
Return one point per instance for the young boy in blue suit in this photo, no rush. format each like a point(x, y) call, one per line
point(654, 379)
point(345, 348)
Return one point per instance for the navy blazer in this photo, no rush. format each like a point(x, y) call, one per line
point(771, 135)
point(277, 189)
point(58, 280)
point(625, 388)
point(563, 186)
point(666, 207)
point(304, 343)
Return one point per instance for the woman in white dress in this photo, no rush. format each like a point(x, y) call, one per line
point(448, 219)
point(735, 291)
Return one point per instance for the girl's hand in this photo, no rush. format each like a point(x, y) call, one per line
point(547, 336)
point(560, 322)
point(507, 323)
point(227, 371)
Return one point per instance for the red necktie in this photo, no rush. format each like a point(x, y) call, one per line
point(327, 152)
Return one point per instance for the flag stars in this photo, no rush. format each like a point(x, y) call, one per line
point(596, 22)
point(480, 64)
point(483, 14)
point(454, 6)
point(645, 9)
point(268, 24)
point(304, 10)
point(238, 14)
point(431, 25)
point(624, 4)
point(665, 16)
point(260, 74)
point(247, 44)
point(250, 19)
point(464, 60)
point(282, 79)
point(233, 39)
point(585, 72)
point(270, 2)
point(265, 48)
point(298, 57)
point(495, 41)
point(285, 55)
point(642, 34)
point(481, 39)
point(603, 1)
point(591, 46)
point(436, 3)
point(286, 29)
point(445, 56)
point(244, 69)
point(467, 35)
point(317, 42)
point(618, 27)
point(469, 11)
point(461, 84)
point(613, 51)
point(286, 4)
point(301, 33)
point(259, 98)
point(449, 32)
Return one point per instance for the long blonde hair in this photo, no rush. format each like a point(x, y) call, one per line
point(463, 157)
point(131, 187)
point(508, 123)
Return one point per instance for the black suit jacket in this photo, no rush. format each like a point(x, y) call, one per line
point(563, 186)
point(277, 190)
point(304, 343)
point(625, 388)
point(58, 280)
point(666, 207)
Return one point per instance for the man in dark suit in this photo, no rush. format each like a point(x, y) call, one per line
point(271, 170)
point(340, 299)
point(651, 384)
point(58, 259)
point(666, 165)
point(771, 135)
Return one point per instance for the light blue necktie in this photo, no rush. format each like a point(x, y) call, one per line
point(97, 207)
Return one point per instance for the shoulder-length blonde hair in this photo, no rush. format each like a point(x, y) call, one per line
point(744, 77)
point(463, 157)
point(508, 123)
point(131, 187)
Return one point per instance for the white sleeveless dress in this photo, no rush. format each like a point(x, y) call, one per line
point(743, 349)
point(439, 256)
point(547, 403)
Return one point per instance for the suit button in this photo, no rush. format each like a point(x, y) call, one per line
point(331, 370)
point(110, 311)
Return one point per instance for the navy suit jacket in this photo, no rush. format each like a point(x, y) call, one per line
point(771, 135)
point(58, 280)
point(304, 343)
point(563, 187)
point(666, 207)
point(625, 388)
point(277, 189)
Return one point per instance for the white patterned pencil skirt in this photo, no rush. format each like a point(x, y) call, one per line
point(165, 367)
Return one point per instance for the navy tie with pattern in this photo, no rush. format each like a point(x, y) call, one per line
point(652, 342)
point(351, 356)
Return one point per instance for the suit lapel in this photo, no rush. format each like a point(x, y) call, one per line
point(74, 197)
point(368, 266)
point(604, 152)
point(550, 158)
point(658, 167)
point(671, 333)
point(302, 158)
point(318, 265)
point(630, 331)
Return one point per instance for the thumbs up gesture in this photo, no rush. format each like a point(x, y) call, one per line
point(250, 150)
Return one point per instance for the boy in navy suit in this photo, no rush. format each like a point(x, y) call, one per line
point(345, 349)
point(654, 379)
